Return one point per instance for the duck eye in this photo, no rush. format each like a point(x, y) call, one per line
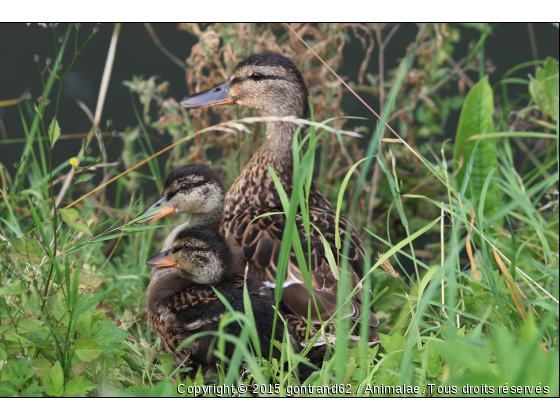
point(184, 187)
point(186, 246)
point(256, 76)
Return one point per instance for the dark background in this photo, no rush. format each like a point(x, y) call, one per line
point(137, 54)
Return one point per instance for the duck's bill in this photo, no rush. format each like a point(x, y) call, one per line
point(164, 210)
point(218, 95)
point(163, 259)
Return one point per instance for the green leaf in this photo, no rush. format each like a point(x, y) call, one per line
point(55, 382)
point(476, 120)
point(14, 227)
point(73, 219)
point(339, 202)
point(26, 251)
point(12, 289)
point(54, 131)
point(83, 177)
point(78, 387)
point(544, 88)
point(88, 282)
point(427, 277)
point(3, 353)
point(166, 364)
point(87, 350)
point(431, 360)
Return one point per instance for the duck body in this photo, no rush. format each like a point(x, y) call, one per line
point(272, 84)
point(181, 300)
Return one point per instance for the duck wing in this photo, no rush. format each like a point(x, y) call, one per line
point(258, 242)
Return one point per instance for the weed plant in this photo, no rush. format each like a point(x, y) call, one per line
point(462, 236)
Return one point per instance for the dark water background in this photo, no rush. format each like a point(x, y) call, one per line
point(137, 54)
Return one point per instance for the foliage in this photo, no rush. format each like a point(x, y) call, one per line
point(468, 288)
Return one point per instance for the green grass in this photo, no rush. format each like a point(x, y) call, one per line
point(72, 284)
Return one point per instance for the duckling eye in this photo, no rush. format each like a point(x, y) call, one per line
point(184, 187)
point(256, 76)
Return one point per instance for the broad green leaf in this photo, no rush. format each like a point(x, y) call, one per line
point(73, 219)
point(3, 353)
point(42, 366)
point(28, 325)
point(78, 387)
point(476, 120)
point(431, 360)
point(55, 382)
point(84, 177)
point(12, 289)
point(88, 282)
point(87, 350)
point(54, 131)
point(26, 251)
point(544, 88)
point(166, 364)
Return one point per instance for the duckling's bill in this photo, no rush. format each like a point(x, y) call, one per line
point(218, 95)
point(163, 259)
point(166, 210)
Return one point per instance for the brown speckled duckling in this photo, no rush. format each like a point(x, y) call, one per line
point(181, 301)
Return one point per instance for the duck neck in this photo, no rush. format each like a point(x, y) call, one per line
point(255, 185)
point(206, 220)
point(196, 220)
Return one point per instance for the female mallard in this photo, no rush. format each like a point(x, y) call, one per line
point(271, 83)
point(181, 301)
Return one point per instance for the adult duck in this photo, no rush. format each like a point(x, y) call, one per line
point(272, 84)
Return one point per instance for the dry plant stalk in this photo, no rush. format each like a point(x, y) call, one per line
point(387, 267)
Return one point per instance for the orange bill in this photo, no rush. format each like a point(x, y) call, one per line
point(163, 259)
point(165, 210)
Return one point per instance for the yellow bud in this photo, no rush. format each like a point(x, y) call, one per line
point(74, 161)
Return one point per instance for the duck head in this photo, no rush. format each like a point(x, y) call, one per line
point(194, 189)
point(201, 253)
point(266, 81)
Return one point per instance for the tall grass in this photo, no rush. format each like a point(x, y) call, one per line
point(476, 302)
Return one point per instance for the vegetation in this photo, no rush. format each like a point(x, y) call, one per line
point(462, 235)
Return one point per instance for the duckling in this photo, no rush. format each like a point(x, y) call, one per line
point(195, 189)
point(272, 84)
point(181, 301)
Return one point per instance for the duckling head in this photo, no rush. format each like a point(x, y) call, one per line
point(266, 81)
point(201, 253)
point(194, 189)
